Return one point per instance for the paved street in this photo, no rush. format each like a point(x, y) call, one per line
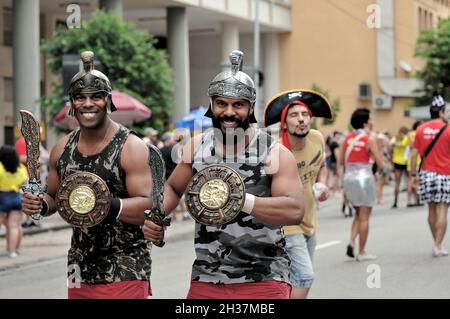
point(400, 238)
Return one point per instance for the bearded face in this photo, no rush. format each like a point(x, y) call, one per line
point(231, 117)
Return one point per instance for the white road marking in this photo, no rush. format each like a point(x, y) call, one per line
point(328, 244)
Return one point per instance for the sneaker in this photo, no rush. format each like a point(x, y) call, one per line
point(13, 254)
point(439, 252)
point(350, 251)
point(435, 252)
point(366, 257)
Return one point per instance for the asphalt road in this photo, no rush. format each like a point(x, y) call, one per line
point(405, 267)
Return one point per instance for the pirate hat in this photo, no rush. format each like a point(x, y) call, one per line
point(315, 102)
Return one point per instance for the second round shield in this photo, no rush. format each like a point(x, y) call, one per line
point(215, 195)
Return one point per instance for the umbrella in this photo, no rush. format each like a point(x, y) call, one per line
point(195, 120)
point(129, 111)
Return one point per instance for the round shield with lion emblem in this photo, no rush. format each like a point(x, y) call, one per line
point(215, 195)
point(83, 199)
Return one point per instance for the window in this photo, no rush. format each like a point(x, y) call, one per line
point(425, 19)
point(8, 89)
point(420, 19)
point(7, 27)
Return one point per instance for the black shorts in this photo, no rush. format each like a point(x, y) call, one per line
point(400, 167)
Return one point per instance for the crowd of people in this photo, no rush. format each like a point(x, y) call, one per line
point(266, 250)
point(395, 152)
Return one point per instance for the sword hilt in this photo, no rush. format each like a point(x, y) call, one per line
point(34, 187)
point(156, 216)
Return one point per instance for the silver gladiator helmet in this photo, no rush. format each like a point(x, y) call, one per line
point(90, 81)
point(233, 84)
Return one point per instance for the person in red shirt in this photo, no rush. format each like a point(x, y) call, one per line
point(359, 182)
point(21, 149)
point(434, 175)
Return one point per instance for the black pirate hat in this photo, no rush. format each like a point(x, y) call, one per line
point(315, 102)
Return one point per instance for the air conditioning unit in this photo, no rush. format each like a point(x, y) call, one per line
point(365, 91)
point(382, 102)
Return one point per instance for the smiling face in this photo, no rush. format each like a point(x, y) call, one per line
point(230, 114)
point(90, 109)
point(298, 121)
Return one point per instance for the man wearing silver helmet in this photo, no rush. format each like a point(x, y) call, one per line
point(109, 259)
point(432, 142)
point(240, 255)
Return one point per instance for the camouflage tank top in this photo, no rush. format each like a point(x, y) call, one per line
point(246, 249)
point(111, 251)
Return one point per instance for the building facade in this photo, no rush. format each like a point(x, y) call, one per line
point(361, 51)
point(198, 36)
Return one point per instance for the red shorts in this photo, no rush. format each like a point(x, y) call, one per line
point(249, 290)
point(132, 289)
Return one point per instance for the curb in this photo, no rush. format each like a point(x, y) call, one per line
point(37, 230)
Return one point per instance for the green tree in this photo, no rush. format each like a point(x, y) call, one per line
point(335, 105)
point(129, 59)
point(433, 45)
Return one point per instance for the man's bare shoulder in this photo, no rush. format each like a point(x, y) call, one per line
point(278, 157)
point(134, 146)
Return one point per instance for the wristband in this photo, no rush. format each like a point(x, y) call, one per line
point(249, 203)
point(115, 208)
point(44, 210)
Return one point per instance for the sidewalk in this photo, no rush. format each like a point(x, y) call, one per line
point(54, 222)
point(51, 240)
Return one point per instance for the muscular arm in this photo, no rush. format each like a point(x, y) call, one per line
point(134, 161)
point(287, 204)
point(176, 186)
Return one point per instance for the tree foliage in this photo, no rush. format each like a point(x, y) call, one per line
point(433, 45)
point(335, 104)
point(129, 59)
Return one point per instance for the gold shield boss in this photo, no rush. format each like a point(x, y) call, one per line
point(215, 195)
point(83, 199)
